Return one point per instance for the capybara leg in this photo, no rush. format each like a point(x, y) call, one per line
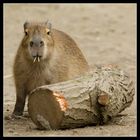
point(20, 103)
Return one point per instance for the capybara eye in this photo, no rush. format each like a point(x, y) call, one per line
point(26, 32)
point(48, 32)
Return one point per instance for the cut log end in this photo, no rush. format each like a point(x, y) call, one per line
point(103, 99)
point(46, 109)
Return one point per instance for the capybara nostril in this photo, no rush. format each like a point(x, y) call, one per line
point(31, 43)
point(41, 43)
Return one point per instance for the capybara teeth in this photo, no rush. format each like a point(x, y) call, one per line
point(38, 59)
point(34, 59)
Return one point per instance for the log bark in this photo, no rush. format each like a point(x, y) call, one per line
point(87, 100)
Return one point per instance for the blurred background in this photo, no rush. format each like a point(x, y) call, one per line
point(106, 34)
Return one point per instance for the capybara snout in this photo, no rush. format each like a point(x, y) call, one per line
point(36, 47)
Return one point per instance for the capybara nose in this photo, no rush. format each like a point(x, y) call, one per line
point(36, 43)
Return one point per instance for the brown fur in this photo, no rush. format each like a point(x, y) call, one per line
point(63, 61)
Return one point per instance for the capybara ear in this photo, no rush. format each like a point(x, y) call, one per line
point(48, 24)
point(26, 26)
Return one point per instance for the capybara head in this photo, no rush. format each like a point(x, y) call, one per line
point(38, 41)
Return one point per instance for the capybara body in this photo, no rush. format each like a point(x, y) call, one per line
point(45, 56)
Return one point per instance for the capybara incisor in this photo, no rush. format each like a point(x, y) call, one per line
point(45, 56)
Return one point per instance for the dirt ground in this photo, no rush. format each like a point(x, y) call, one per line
point(106, 34)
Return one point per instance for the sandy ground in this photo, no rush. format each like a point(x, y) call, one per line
point(106, 34)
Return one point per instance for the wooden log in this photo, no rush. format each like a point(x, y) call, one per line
point(87, 100)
